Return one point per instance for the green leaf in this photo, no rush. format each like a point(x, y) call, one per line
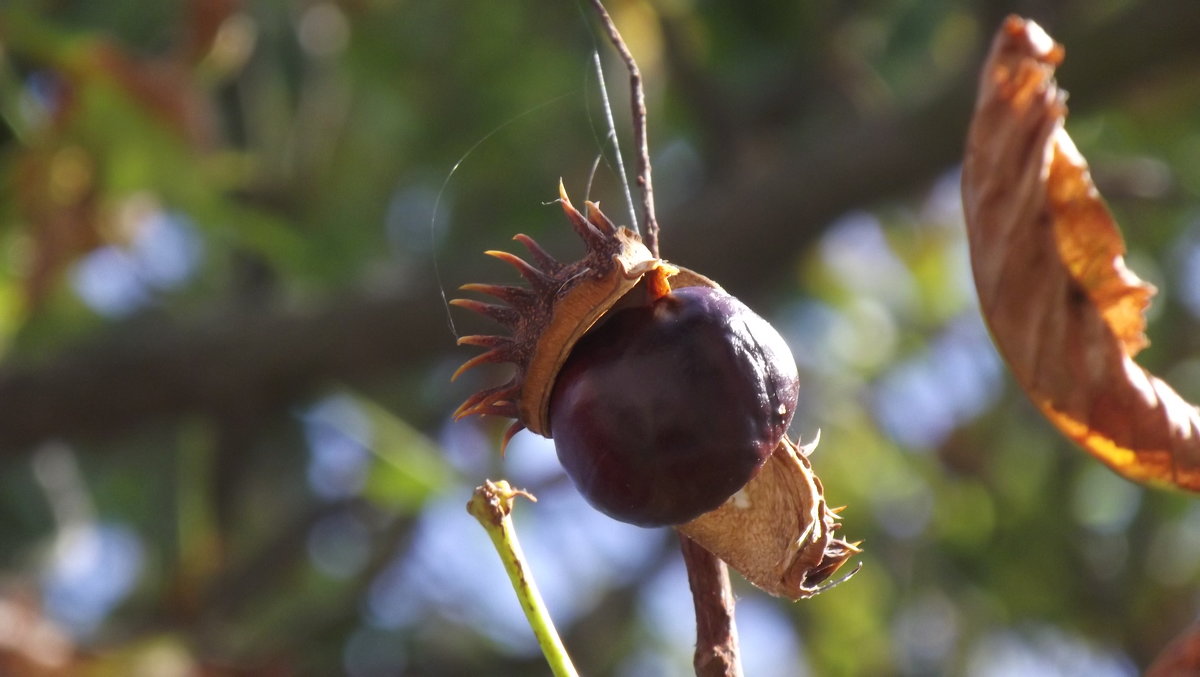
point(408, 467)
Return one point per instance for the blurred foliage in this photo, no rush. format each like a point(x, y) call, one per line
point(162, 162)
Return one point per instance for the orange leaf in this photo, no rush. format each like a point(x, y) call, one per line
point(1062, 307)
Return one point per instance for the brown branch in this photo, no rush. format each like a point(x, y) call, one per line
point(638, 103)
point(716, 634)
point(150, 369)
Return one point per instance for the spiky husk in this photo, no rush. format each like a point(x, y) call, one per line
point(547, 318)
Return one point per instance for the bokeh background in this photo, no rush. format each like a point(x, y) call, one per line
point(227, 230)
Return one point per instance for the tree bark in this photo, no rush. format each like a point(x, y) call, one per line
point(716, 633)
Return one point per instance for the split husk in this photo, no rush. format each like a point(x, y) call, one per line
point(777, 531)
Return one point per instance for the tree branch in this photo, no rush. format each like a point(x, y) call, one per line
point(716, 634)
point(150, 369)
point(641, 145)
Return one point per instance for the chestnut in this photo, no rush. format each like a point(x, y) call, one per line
point(667, 399)
point(665, 410)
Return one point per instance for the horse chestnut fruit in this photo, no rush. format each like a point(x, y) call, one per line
point(668, 401)
point(665, 410)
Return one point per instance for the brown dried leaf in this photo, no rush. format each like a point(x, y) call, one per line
point(1062, 307)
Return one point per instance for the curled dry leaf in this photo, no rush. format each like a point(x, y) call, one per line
point(1063, 309)
point(562, 302)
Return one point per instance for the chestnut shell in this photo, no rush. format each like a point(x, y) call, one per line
point(665, 410)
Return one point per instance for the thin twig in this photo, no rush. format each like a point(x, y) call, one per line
point(638, 103)
point(491, 504)
point(612, 135)
point(716, 635)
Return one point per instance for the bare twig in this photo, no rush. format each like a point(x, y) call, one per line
point(612, 135)
point(716, 635)
point(638, 103)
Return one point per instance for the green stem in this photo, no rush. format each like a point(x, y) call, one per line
point(491, 504)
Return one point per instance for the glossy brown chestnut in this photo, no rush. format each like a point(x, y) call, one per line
point(666, 410)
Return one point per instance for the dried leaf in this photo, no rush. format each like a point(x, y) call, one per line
point(1063, 309)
